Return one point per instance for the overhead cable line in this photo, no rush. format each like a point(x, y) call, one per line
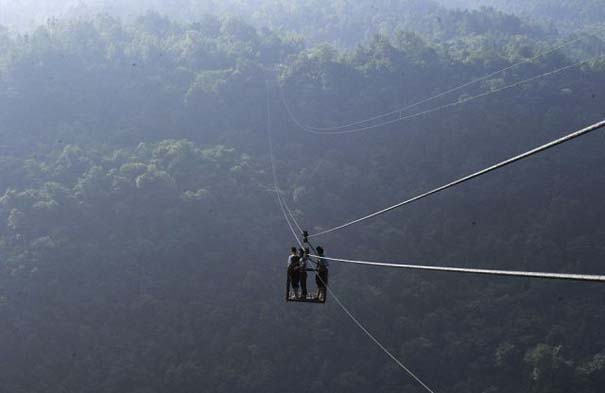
point(431, 98)
point(340, 304)
point(554, 276)
point(277, 190)
point(294, 220)
point(282, 201)
point(441, 107)
point(454, 183)
point(372, 337)
point(281, 204)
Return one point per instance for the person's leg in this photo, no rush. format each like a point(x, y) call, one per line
point(295, 283)
point(303, 284)
point(324, 283)
point(288, 285)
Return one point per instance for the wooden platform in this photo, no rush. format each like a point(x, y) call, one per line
point(309, 299)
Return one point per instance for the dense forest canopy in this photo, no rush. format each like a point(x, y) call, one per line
point(25, 14)
point(142, 248)
point(343, 22)
point(568, 15)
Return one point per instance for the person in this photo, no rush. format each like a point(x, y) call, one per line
point(321, 277)
point(305, 265)
point(293, 272)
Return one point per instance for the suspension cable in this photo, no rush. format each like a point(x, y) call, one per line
point(438, 108)
point(371, 336)
point(340, 304)
point(300, 230)
point(454, 183)
point(554, 276)
point(444, 93)
point(277, 190)
point(281, 204)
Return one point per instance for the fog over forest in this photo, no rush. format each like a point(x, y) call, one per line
point(343, 22)
point(159, 159)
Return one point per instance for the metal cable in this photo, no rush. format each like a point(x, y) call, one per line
point(281, 204)
point(555, 276)
point(431, 98)
point(342, 306)
point(371, 336)
point(273, 169)
point(300, 230)
point(502, 164)
point(441, 107)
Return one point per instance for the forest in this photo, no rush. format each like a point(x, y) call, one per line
point(568, 15)
point(142, 247)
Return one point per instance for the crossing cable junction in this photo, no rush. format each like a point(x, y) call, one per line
point(288, 215)
point(286, 212)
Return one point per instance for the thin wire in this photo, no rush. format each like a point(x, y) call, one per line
point(371, 336)
point(431, 98)
point(556, 276)
point(353, 318)
point(300, 230)
point(439, 95)
point(282, 202)
point(502, 164)
point(342, 306)
point(445, 106)
point(273, 169)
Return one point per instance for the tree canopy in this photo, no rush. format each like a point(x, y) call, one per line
point(142, 248)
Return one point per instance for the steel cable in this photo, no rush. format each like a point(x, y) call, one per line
point(454, 183)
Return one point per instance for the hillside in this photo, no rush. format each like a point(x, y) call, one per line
point(345, 23)
point(142, 248)
point(564, 15)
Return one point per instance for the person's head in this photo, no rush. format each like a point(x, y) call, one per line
point(306, 251)
point(320, 250)
point(301, 252)
point(293, 250)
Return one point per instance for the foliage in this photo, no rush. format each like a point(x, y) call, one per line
point(142, 249)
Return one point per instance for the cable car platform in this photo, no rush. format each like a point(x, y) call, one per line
point(311, 298)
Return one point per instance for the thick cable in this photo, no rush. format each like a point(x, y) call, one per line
point(512, 273)
point(431, 98)
point(454, 183)
point(445, 106)
point(371, 336)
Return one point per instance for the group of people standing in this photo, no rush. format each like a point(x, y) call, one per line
point(299, 264)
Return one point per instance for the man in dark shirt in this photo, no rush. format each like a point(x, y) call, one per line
point(321, 278)
point(293, 272)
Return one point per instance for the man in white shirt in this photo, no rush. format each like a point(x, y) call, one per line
point(305, 265)
point(293, 272)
